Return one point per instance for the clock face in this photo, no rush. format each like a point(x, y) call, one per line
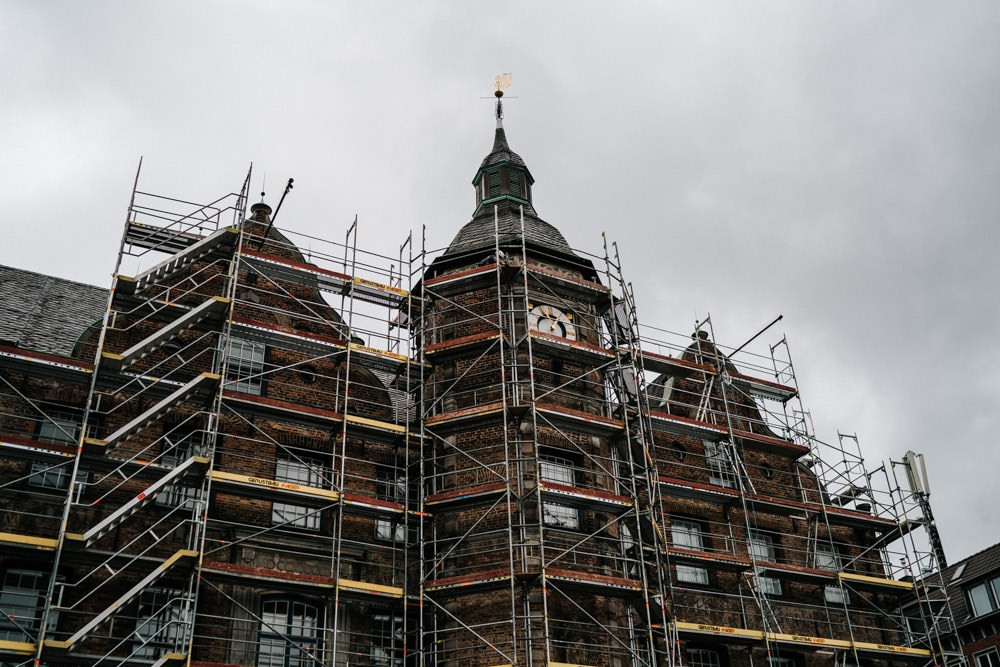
point(551, 320)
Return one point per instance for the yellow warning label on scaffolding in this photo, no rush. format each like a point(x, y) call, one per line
point(377, 352)
point(380, 286)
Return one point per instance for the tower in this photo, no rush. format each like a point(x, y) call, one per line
point(528, 558)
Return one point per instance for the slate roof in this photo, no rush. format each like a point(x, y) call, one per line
point(478, 233)
point(977, 567)
point(501, 151)
point(44, 313)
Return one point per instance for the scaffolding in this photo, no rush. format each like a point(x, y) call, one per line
point(290, 450)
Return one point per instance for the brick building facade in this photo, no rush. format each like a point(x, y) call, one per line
point(249, 453)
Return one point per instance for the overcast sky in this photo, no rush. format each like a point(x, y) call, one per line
point(834, 162)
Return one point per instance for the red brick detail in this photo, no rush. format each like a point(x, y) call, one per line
point(299, 265)
point(41, 356)
point(37, 444)
point(284, 405)
point(698, 485)
point(573, 343)
point(573, 279)
point(264, 572)
point(708, 555)
point(460, 274)
point(596, 578)
point(680, 362)
point(289, 330)
point(694, 422)
point(795, 568)
point(816, 507)
point(353, 497)
point(588, 416)
point(585, 492)
point(471, 491)
point(771, 441)
point(462, 341)
point(776, 385)
point(467, 579)
point(447, 416)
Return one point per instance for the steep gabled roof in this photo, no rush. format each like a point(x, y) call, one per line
point(45, 313)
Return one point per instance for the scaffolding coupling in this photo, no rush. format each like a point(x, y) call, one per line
point(222, 241)
point(204, 385)
point(213, 308)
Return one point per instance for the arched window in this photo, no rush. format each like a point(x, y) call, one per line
point(289, 633)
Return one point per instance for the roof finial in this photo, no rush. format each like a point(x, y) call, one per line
point(503, 81)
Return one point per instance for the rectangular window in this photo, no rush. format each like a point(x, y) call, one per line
point(768, 585)
point(836, 595)
point(173, 456)
point(827, 557)
point(560, 470)
point(159, 626)
point(692, 575)
point(289, 631)
point(702, 657)
point(720, 471)
point(303, 471)
point(387, 640)
point(245, 366)
point(61, 428)
point(56, 476)
point(762, 547)
point(391, 485)
point(22, 601)
point(983, 598)
point(686, 534)
point(988, 658)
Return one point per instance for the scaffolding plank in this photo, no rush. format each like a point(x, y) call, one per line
point(579, 420)
point(573, 349)
point(662, 364)
point(588, 580)
point(580, 497)
point(251, 482)
point(684, 426)
point(877, 582)
point(764, 388)
point(771, 444)
point(17, 648)
point(29, 541)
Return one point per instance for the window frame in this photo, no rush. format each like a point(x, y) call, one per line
point(389, 651)
point(991, 589)
point(55, 424)
point(309, 471)
point(756, 538)
point(553, 466)
point(14, 600)
point(391, 484)
point(689, 528)
point(167, 612)
point(272, 632)
point(828, 551)
point(718, 464)
point(992, 653)
point(714, 657)
point(252, 381)
point(692, 574)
